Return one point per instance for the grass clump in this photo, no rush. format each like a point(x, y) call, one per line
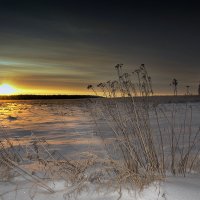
point(143, 149)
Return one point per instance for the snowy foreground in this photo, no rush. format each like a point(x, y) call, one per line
point(174, 188)
point(71, 135)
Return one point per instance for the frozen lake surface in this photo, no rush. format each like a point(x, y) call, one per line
point(67, 124)
point(68, 127)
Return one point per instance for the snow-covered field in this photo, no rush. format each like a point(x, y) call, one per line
point(173, 188)
point(68, 128)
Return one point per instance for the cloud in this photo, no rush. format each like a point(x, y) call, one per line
point(53, 45)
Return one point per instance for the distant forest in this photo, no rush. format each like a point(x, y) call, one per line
point(35, 97)
point(154, 99)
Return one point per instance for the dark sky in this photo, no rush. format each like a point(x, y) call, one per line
point(62, 46)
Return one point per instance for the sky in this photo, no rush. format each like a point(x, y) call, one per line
point(59, 47)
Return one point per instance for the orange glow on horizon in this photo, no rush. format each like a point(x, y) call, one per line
point(14, 89)
point(31, 91)
point(8, 89)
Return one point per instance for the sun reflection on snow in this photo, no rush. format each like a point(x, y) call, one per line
point(53, 121)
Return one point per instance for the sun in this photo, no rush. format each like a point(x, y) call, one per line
point(6, 89)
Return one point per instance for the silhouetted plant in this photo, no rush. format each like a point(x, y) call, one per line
point(187, 90)
point(175, 84)
point(199, 89)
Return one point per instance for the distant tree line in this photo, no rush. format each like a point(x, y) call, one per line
point(34, 97)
